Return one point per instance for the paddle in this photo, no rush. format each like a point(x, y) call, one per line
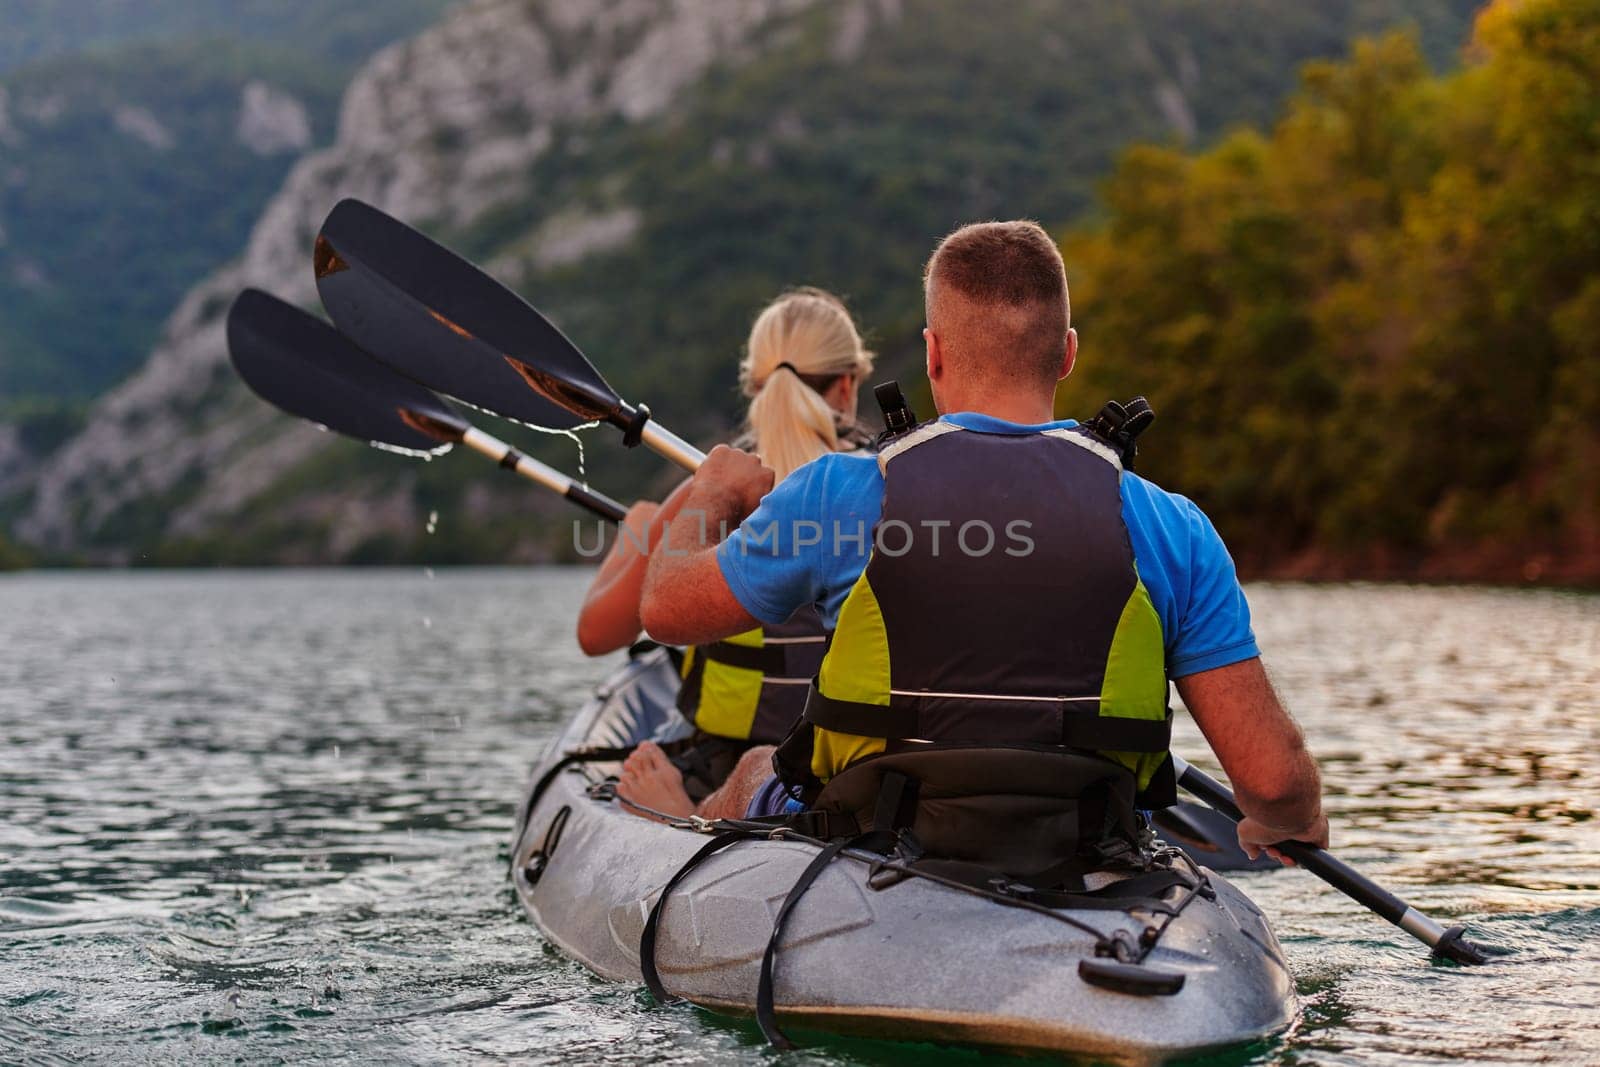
point(438, 319)
point(1447, 942)
point(297, 362)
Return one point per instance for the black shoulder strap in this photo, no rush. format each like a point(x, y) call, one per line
point(1118, 425)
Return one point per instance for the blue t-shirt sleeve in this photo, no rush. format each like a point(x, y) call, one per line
point(807, 540)
point(1205, 617)
point(760, 564)
point(1214, 626)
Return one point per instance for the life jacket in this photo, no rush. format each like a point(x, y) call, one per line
point(751, 686)
point(1023, 626)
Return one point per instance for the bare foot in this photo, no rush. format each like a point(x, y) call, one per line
point(650, 780)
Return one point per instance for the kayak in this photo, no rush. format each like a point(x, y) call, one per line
point(1122, 971)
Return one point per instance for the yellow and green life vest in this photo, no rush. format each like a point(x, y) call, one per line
point(1000, 606)
point(751, 686)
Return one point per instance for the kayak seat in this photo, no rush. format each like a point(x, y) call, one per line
point(1019, 811)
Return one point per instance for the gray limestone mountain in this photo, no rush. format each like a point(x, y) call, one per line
point(138, 142)
point(653, 170)
point(181, 447)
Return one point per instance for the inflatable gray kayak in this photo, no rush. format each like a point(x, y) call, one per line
point(1139, 976)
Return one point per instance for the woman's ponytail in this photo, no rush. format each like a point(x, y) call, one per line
point(792, 424)
point(798, 345)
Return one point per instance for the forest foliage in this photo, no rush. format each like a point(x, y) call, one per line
point(1372, 334)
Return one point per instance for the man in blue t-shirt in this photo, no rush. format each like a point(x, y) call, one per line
point(998, 340)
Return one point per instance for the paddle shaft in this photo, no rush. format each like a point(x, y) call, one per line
point(1445, 941)
point(668, 445)
point(547, 476)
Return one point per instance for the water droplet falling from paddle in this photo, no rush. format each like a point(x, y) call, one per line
point(583, 471)
point(433, 521)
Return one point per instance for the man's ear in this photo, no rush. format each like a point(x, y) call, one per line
point(1069, 355)
point(935, 365)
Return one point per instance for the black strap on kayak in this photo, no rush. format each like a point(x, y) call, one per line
point(576, 756)
point(540, 859)
point(812, 827)
point(647, 939)
point(1141, 891)
point(766, 1016)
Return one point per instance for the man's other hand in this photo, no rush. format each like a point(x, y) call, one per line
point(1256, 837)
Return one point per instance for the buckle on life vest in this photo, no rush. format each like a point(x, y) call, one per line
point(1118, 425)
point(898, 418)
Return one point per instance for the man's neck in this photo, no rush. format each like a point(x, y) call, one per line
point(1022, 410)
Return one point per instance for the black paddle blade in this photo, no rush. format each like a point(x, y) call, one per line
point(1208, 837)
point(295, 361)
point(436, 318)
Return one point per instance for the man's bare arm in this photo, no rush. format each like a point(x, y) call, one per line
point(609, 618)
point(686, 599)
point(1262, 751)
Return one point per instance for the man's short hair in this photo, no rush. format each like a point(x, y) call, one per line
point(996, 295)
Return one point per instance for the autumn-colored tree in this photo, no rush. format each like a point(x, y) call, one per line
point(1373, 336)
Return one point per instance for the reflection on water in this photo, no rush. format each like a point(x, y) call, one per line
point(263, 815)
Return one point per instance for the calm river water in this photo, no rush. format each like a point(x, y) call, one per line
point(263, 817)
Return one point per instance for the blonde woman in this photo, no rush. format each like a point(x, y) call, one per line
point(802, 370)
